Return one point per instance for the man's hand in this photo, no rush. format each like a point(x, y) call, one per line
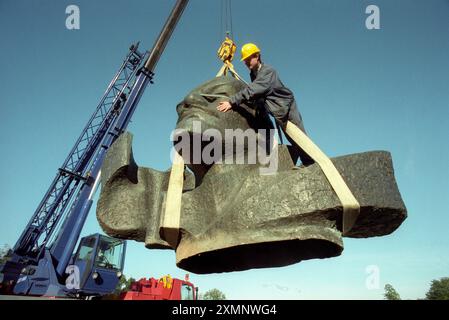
point(224, 106)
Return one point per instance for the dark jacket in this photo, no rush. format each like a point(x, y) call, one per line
point(266, 89)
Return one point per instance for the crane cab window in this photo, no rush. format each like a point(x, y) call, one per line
point(110, 253)
point(86, 249)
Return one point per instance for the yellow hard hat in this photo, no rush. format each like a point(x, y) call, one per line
point(248, 50)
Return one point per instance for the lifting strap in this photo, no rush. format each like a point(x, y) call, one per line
point(227, 66)
point(351, 207)
point(171, 216)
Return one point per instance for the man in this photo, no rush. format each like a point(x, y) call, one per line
point(270, 93)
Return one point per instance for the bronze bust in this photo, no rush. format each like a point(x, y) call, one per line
point(232, 216)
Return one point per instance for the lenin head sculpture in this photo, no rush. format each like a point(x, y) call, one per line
point(233, 215)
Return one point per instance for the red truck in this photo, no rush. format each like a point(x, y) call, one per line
point(166, 288)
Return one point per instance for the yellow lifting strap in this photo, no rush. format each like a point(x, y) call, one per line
point(351, 207)
point(171, 216)
point(227, 66)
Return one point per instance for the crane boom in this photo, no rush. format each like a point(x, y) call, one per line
point(62, 212)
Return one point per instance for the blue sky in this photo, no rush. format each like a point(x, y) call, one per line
point(357, 89)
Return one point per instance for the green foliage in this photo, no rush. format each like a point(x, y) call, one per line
point(124, 284)
point(439, 290)
point(391, 293)
point(214, 294)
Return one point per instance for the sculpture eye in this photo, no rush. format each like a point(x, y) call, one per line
point(210, 97)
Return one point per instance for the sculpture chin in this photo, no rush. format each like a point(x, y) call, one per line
point(276, 247)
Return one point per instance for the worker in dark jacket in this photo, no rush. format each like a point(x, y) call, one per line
point(267, 89)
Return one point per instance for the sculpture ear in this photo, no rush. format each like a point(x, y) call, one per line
point(119, 208)
point(131, 197)
point(119, 160)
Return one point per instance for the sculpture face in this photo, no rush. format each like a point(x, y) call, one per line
point(198, 118)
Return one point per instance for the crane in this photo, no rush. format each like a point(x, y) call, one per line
point(43, 260)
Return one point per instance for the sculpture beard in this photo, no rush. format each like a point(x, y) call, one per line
point(233, 217)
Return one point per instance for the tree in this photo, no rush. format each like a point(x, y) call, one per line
point(439, 290)
point(214, 294)
point(123, 284)
point(391, 293)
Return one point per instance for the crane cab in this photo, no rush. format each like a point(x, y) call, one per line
point(94, 270)
point(99, 262)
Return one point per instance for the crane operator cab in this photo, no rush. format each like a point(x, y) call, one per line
point(94, 270)
point(97, 265)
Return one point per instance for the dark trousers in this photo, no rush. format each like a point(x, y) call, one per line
point(295, 117)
